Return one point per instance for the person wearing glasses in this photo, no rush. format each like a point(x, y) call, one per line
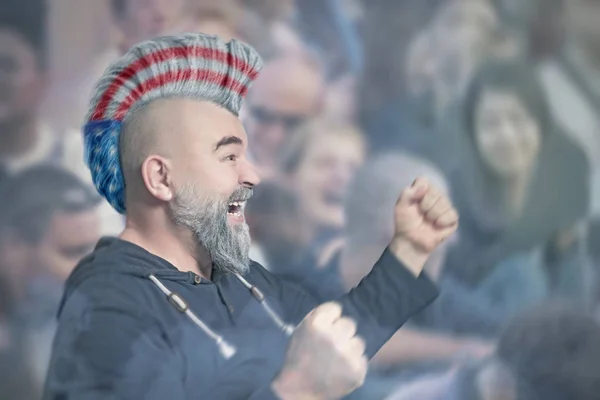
point(289, 91)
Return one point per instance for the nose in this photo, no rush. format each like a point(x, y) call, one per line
point(249, 176)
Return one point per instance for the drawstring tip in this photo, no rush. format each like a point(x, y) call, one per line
point(288, 330)
point(226, 350)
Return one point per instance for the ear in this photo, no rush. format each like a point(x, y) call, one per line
point(157, 176)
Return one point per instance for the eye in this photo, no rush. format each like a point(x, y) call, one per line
point(231, 157)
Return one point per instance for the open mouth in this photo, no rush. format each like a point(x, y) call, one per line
point(236, 208)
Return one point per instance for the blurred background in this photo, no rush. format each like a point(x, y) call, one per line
point(495, 101)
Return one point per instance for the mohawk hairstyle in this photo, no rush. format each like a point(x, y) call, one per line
point(194, 66)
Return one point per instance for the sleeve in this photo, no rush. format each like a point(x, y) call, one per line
point(110, 354)
point(383, 301)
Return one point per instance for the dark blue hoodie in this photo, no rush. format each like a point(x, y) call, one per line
point(119, 337)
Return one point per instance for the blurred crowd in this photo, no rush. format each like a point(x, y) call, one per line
point(495, 101)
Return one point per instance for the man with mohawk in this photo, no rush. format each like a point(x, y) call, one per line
point(174, 308)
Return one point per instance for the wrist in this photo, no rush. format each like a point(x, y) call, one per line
point(413, 259)
point(289, 386)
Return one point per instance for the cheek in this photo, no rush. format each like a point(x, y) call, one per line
point(533, 142)
point(486, 146)
point(311, 182)
point(27, 95)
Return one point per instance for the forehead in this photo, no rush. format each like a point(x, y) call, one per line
point(334, 144)
point(288, 86)
point(191, 122)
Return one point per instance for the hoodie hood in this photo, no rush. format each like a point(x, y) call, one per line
point(132, 260)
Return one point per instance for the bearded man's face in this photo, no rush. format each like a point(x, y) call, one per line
point(200, 169)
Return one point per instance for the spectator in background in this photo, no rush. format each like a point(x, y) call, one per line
point(48, 222)
point(24, 139)
point(273, 217)
point(389, 26)
point(522, 193)
point(572, 81)
point(554, 353)
point(463, 31)
point(372, 195)
point(547, 353)
point(439, 61)
point(288, 92)
point(16, 380)
point(221, 18)
point(407, 123)
point(318, 164)
point(134, 22)
point(277, 17)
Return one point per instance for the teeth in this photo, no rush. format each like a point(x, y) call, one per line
point(241, 206)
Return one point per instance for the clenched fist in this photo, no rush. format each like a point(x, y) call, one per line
point(424, 217)
point(325, 359)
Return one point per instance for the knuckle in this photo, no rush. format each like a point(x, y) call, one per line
point(349, 322)
point(328, 310)
point(361, 347)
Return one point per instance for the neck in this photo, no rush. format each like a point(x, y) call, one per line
point(173, 244)
point(19, 135)
point(510, 195)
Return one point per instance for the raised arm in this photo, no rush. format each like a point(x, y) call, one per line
point(392, 292)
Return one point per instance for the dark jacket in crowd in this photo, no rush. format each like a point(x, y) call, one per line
point(120, 337)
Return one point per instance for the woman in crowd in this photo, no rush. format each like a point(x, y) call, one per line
point(522, 195)
point(318, 165)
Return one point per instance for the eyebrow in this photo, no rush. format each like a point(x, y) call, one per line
point(228, 140)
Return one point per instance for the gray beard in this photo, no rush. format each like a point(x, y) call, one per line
point(227, 246)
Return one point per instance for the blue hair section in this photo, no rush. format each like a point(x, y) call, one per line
point(101, 141)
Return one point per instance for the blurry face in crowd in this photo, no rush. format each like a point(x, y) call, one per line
point(507, 136)
point(145, 19)
point(214, 26)
point(212, 178)
point(285, 95)
point(421, 64)
point(21, 79)
point(70, 237)
point(323, 176)
point(462, 33)
point(582, 18)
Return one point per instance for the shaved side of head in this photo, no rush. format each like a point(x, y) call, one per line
point(143, 134)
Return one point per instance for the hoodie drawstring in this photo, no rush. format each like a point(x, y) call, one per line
point(226, 349)
point(260, 297)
